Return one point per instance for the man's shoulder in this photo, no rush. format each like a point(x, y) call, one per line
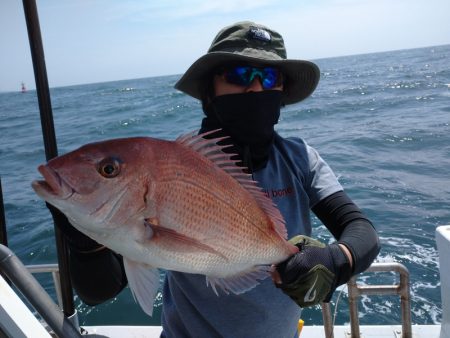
point(291, 144)
point(296, 152)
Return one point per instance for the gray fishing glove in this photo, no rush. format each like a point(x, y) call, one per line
point(313, 274)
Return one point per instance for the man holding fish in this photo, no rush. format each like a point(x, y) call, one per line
point(192, 206)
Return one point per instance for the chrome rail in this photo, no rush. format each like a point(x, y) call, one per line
point(355, 291)
point(13, 269)
point(54, 270)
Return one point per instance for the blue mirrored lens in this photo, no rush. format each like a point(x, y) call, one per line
point(269, 78)
point(244, 75)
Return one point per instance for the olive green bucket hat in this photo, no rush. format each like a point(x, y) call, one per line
point(250, 43)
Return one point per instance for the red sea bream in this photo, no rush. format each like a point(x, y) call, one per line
point(179, 205)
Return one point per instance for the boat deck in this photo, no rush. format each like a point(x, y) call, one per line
point(378, 331)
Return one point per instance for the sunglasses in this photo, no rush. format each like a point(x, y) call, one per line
point(244, 75)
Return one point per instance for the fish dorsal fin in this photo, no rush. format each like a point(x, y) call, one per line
point(210, 149)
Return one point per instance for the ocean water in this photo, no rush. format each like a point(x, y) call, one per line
point(382, 121)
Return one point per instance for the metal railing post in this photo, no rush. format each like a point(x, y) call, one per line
point(401, 289)
point(353, 297)
point(327, 320)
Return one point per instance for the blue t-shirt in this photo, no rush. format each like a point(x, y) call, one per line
point(295, 178)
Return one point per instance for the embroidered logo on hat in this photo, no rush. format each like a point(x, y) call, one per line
point(259, 34)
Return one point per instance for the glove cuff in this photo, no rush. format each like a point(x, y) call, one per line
point(341, 264)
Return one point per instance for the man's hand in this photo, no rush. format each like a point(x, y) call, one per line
point(313, 274)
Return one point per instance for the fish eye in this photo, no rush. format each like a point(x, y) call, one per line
point(109, 167)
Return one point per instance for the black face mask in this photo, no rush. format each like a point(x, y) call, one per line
point(249, 119)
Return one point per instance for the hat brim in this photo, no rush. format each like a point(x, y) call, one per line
point(301, 77)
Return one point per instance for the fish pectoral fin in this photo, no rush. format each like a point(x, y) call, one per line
point(182, 243)
point(144, 283)
point(240, 283)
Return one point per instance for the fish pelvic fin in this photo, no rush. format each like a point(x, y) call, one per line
point(144, 283)
point(240, 283)
point(214, 152)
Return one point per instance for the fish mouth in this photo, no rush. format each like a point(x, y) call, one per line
point(53, 186)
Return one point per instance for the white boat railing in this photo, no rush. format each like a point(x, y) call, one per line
point(54, 270)
point(354, 292)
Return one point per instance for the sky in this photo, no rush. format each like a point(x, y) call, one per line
point(88, 41)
